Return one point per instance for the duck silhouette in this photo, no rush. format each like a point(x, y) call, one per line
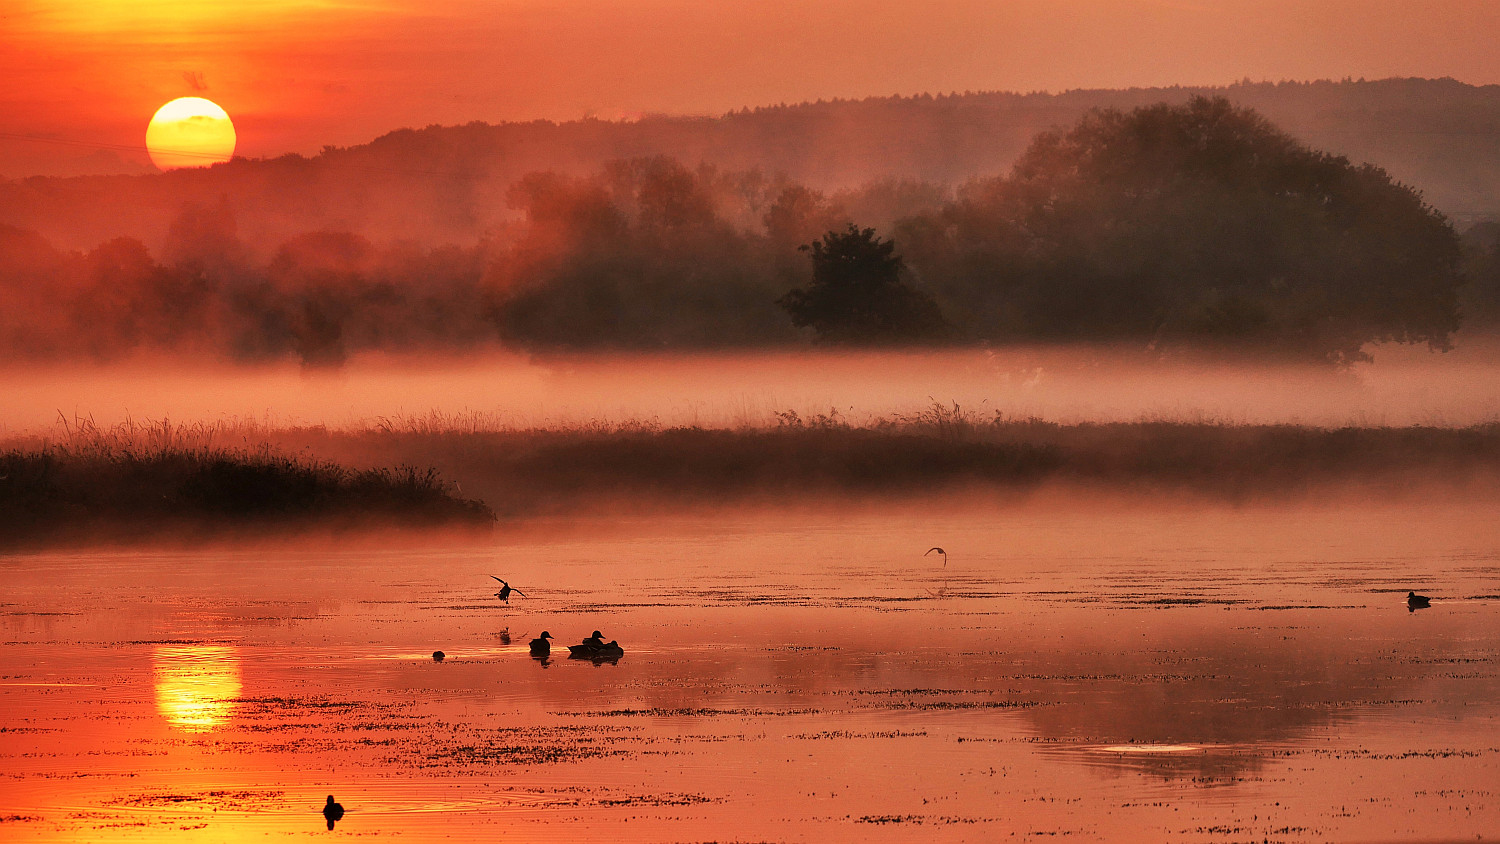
point(1416, 602)
point(594, 647)
point(332, 812)
point(540, 646)
point(438, 656)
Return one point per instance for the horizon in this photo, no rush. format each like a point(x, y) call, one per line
point(140, 157)
point(297, 77)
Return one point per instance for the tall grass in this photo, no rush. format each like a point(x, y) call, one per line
point(525, 470)
point(141, 479)
point(245, 472)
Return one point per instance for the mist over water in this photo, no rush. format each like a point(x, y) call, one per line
point(1402, 386)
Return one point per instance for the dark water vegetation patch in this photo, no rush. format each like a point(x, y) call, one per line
point(530, 746)
point(922, 819)
point(859, 734)
point(921, 691)
point(1185, 602)
point(222, 799)
point(1306, 607)
point(542, 754)
point(696, 712)
point(658, 800)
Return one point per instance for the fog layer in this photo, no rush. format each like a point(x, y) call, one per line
point(1401, 386)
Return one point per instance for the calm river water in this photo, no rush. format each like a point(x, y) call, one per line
point(1149, 674)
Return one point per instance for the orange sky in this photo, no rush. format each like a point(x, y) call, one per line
point(297, 75)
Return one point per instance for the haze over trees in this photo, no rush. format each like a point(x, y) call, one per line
point(440, 185)
point(1198, 223)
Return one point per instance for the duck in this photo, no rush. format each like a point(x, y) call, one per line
point(438, 656)
point(594, 647)
point(1417, 602)
point(332, 812)
point(540, 646)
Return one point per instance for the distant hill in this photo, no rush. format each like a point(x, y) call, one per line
point(449, 184)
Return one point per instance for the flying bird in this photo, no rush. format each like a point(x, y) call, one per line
point(505, 590)
point(940, 551)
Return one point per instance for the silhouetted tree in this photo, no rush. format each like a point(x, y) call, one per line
point(857, 296)
point(1199, 223)
point(1480, 299)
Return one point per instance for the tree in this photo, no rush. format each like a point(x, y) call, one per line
point(1198, 223)
point(857, 296)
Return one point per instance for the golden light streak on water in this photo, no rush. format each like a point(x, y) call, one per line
point(196, 685)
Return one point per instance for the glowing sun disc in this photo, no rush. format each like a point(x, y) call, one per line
point(190, 132)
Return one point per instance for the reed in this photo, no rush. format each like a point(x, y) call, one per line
point(149, 475)
point(157, 478)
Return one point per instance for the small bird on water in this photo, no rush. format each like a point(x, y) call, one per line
point(540, 646)
point(940, 551)
point(332, 812)
point(1417, 602)
point(438, 656)
point(505, 590)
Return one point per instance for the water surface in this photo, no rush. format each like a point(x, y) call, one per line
point(1183, 673)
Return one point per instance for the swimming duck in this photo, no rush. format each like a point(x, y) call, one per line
point(332, 812)
point(540, 646)
point(1417, 602)
point(438, 656)
point(594, 647)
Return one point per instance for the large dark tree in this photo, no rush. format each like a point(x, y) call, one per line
point(857, 295)
point(1200, 223)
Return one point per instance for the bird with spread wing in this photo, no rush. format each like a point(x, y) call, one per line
point(505, 590)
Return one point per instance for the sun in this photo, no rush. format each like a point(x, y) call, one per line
point(190, 132)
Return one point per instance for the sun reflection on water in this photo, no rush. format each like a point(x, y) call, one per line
point(196, 685)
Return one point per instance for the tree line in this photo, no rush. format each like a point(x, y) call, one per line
point(1199, 223)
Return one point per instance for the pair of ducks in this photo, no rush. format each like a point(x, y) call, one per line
point(541, 647)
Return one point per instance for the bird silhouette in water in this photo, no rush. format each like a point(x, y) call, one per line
point(1416, 602)
point(438, 656)
point(505, 590)
point(332, 812)
point(540, 646)
point(940, 551)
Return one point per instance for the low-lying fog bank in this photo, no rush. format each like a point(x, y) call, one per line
point(1403, 386)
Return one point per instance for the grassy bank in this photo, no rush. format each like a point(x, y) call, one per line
point(110, 488)
point(148, 480)
point(526, 471)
